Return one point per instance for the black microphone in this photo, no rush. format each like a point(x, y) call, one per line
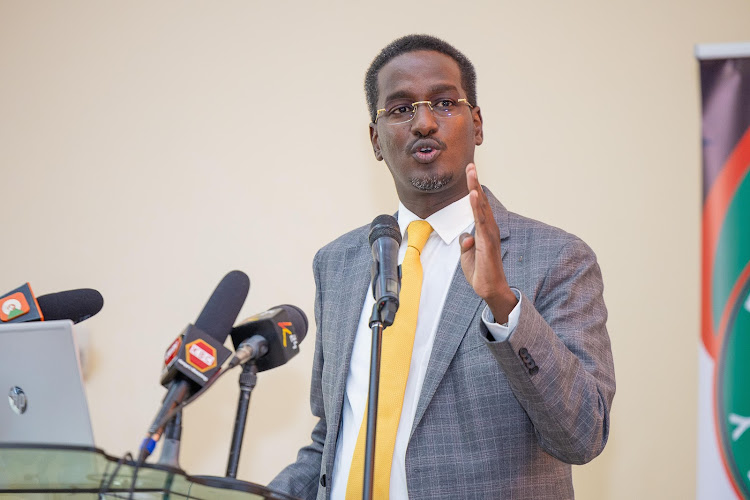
point(270, 338)
point(221, 310)
point(385, 240)
point(75, 305)
point(199, 349)
point(193, 354)
point(22, 306)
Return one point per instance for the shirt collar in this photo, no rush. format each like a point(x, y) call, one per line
point(448, 222)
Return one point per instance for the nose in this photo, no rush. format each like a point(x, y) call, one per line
point(424, 122)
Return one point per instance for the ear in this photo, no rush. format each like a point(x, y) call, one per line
point(476, 115)
point(374, 141)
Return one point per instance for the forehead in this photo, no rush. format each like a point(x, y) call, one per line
point(415, 74)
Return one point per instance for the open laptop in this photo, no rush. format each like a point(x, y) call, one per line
point(42, 399)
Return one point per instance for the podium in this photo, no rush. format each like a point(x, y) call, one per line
point(33, 471)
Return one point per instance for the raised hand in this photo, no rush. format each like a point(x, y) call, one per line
point(481, 259)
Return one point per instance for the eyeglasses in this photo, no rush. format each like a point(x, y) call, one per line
point(402, 113)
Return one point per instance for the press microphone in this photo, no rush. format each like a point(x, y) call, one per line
point(21, 305)
point(198, 352)
point(75, 305)
point(194, 354)
point(270, 338)
point(385, 240)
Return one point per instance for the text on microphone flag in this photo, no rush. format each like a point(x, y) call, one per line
point(288, 333)
point(201, 355)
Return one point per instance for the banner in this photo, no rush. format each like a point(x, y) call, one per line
point(724, 353)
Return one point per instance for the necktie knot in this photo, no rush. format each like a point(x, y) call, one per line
point(418, 232)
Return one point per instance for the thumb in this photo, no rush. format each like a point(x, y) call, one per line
point(466, 241)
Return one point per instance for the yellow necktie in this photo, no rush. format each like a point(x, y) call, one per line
point(398, 341)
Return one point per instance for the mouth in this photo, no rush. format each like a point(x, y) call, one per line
point(426, 155)
point(426, 150)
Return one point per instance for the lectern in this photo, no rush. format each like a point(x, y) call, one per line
point(57, 471)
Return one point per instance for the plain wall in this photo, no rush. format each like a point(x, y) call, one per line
point(147, 148)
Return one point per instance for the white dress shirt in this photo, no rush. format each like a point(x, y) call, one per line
point(439, 258)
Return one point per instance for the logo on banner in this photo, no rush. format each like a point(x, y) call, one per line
point(201, 355)
point(726, 309)
point(13, 306)
point(732, 396)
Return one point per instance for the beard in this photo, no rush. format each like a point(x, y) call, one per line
point(431, 183)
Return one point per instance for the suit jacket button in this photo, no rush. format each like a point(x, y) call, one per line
point(523, 352)
point(533, 370)
point(323, 480)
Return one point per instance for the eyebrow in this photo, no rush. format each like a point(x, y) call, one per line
point(401, 94)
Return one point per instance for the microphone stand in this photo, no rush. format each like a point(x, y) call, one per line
point(383, 314)
point(170, 450)
point(248, 379)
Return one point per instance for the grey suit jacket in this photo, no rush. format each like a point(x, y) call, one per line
point(494, 419)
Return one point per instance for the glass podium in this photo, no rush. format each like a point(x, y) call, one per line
point(51, 472)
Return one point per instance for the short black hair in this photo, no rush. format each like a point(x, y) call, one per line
point(412, 43)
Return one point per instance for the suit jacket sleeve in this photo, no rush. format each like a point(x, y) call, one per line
point(561, 330)
point(301, 478)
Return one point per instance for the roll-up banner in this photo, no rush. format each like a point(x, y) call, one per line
point(724, 352)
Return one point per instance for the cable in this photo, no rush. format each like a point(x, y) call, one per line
point(138, 465)
point(105, 487)
point(149, 442)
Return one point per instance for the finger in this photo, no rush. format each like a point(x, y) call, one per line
point(466, 241)
point(472, 180)
point(482, 194)
point(481, 209)
point(486, 231)
point(474, 185)
point(472, 177)
point(476, 208)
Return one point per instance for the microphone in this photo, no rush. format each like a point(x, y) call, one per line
point(270, 338)
point(385, 240)
point(193, 354)
point(20, 305)
point(75, 305)
point(198, 352)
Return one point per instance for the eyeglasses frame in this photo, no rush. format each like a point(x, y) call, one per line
point(415, 105)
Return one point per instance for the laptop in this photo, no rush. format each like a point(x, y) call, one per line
point(42, 398)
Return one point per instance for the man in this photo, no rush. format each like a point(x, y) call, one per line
point(510, 375)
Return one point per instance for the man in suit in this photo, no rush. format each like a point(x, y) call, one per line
point(510, 377)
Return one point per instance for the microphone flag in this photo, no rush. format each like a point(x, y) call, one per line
point(20, 306)
point(194, 354)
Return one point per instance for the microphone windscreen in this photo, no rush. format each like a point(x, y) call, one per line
point(221, 310)
point(75, 305)
point(384, 225)
point(298, 319)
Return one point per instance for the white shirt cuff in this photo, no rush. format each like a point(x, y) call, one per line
point(501, 332)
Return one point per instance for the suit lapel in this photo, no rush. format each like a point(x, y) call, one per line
point(354, 285)
point(460, 308)
point(501, 218)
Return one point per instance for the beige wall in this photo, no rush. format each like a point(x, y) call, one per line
point(147, 148)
